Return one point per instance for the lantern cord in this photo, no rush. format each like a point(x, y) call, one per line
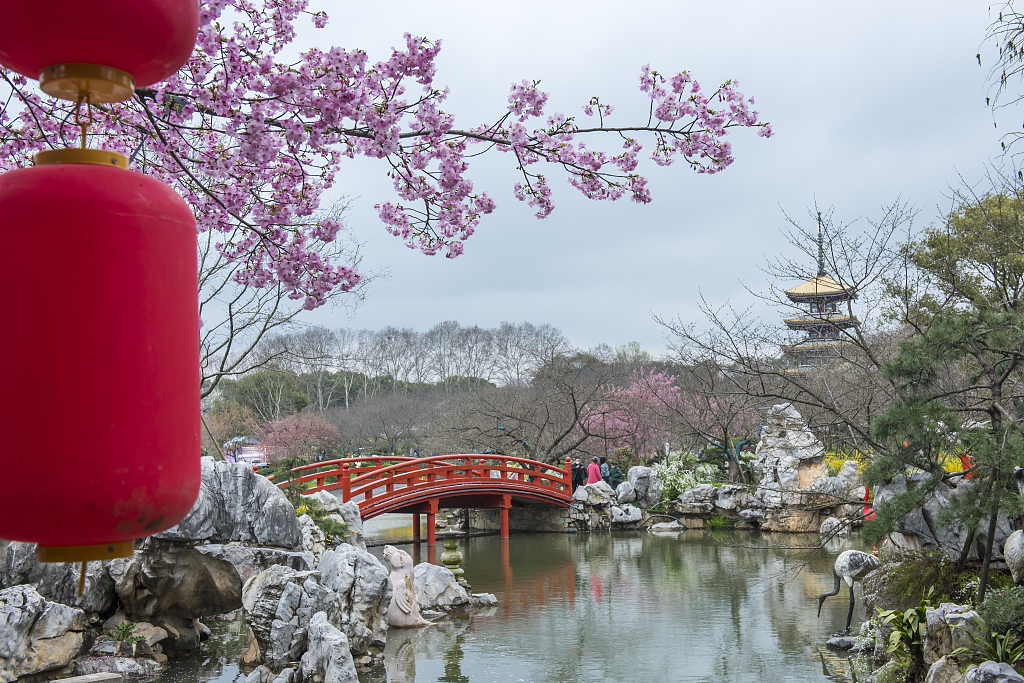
point(81, 579)
point(83, 124)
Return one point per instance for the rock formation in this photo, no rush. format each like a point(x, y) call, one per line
point(328, 658)
point(646, 486)
point(57, 582)
point(437, 589)
point(365, 590)
point(169, 578)
point(790, 462)
point(403, 611)
point(1013, 553)
point(920, 528)
point(36, 634)
point(598, 494)
point(236, 504)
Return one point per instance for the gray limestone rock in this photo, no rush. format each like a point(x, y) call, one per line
point(249, 562)
point(236, 504)
point(731, 497)
point(944, 670)
point(183, 635)
point(991, 672)
point(349, 513)
point(36, 634)
point(849, 473)
point(436, 588)
point(841, 642)
point(667, 527)
point(626, 514)
point(833, 527)
point(363, 586)
point(625, 493)
point(313, 539)
point(646, 484)
point(1013, 552)
point(328, 658)
point(948, 627)
point(126, 666)
point(920, 529)
point(57, 581)
point(327, 501)
point(279, 604)
point(702, 493)
point(789, 456)
point(169, 578)
point(599, 494)
point(481, 600)
point(750, 515)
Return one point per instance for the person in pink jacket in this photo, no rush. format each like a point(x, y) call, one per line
point(593, 472)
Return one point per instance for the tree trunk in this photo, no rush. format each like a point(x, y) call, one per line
point(961, 563)
point(983, 581)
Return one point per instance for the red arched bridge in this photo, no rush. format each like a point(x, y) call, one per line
point(424, 485)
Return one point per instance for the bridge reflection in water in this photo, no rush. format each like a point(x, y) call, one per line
point(631, 607)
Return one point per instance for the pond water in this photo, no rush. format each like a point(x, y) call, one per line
point(623, 606)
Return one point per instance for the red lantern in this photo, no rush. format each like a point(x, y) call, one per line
point(100, 401)
point(92, 41)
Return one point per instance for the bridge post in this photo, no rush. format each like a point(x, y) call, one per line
point(431, 521)
point(568, 475)
point(506, 503)
point(415, 527)
point(346, 483)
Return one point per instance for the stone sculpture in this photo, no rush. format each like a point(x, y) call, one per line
point(851, 566)
point(403, 611)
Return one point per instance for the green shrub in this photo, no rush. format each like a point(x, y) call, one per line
point(122, 633)
point(332, 528)
point(991, 646)
point(906, 641)
point(902, 579)
point(719, 522)
point(1003, 610)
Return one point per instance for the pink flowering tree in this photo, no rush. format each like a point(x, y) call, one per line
point(635, 416)
point(303, 435)
point(703, 403)
point(657, 406)
point(253, 138)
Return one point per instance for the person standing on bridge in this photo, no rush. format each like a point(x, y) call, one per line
point(593, 472)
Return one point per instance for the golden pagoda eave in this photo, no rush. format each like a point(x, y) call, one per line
point(820, 288)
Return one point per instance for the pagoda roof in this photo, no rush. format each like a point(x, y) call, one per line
point(824, 349)
point(834, 321)
point(820, 287)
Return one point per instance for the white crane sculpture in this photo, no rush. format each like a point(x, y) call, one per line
point(851, 566)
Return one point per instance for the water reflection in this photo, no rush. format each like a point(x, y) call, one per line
point(633, 607)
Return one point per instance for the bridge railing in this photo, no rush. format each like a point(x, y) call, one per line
point(364, 476)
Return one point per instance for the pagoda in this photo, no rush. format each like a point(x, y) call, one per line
point(824, 322)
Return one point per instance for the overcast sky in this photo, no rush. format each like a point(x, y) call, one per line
point(870, 101)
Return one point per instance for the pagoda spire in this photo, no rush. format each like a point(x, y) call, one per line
point(821, 249)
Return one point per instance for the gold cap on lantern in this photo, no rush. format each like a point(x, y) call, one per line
point(78, 155)
point(94, 82)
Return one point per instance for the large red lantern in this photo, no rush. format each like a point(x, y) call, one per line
point(100, 406)
point(100, 401)
point(114, 45)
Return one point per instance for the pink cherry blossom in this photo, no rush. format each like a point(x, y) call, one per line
point(252, 138)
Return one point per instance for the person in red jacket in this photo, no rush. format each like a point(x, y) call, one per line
point(593, 472)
